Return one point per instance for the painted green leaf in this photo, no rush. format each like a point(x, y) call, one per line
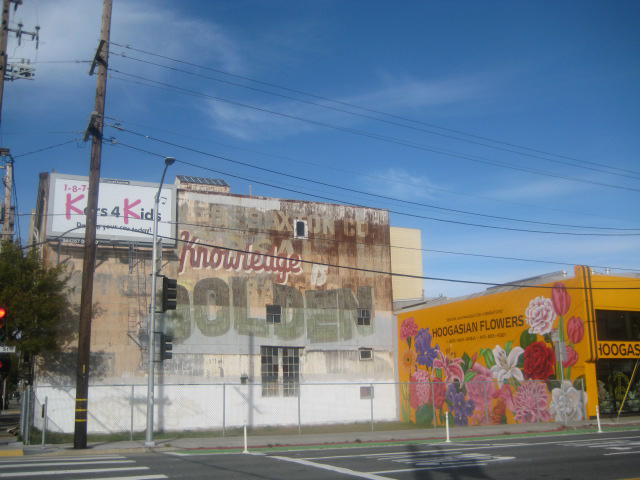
point(469, 375)
point(508, 346)
point(527, 338)
point(424, 415)
point(488, 357)
point(579, 383)
point(466, 362)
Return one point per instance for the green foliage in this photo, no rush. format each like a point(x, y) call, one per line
point(488, 357)
point(424, 415)
point(36, 300)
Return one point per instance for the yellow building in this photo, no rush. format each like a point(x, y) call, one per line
point(546, 349)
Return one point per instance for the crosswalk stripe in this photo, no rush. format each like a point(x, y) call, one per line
point(140, 477)
point(63, 463)
point(49, 459)
point(65, 472)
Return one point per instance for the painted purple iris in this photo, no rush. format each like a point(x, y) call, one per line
point(426, 354)
point(462, 408)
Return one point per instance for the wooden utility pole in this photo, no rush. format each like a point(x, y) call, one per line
point(7, 226)
point(88, 265)
point(4, 35)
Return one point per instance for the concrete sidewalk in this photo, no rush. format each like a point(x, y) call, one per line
point(9, 446)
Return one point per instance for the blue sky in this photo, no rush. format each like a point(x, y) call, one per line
point(467, 120)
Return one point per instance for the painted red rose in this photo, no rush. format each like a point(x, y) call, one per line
point(539, 361)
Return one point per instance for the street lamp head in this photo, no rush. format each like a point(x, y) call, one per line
point(168, 161)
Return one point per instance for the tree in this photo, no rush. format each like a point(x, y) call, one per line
point(36, 300)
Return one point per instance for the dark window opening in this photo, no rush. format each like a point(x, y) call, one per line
point(364, 316)
point(280, 367)
point(618, 325)
point(274, 313)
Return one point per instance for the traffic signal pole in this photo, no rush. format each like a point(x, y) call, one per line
point(152, 314)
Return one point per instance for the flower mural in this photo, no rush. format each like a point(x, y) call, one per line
point(506, 364)
point(567, 402)
point(519, 379)
point(539, 361)
point(426, 353)
point(540, 315)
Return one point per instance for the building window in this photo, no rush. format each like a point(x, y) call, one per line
point(618, 325)
point(366, 392)
point(365, 354)
point(280, 371)
point(300, 229)
point(364, 316)
point(274, 313)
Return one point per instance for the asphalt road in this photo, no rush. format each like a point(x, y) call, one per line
point(606, 456)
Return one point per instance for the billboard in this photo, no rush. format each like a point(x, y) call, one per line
point(125, 209)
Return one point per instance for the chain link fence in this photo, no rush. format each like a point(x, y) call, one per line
point(119, 412)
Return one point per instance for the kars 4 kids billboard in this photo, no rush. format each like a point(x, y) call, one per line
point(125, 209)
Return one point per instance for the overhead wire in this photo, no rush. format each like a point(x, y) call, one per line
point(333, 200)
point(375, 195)
point(378, 112)
point(119, 122)
point(363, 133)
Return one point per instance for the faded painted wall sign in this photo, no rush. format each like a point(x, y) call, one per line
point(199, 257)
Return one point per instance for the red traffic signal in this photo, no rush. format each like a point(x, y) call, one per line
point(3, 312)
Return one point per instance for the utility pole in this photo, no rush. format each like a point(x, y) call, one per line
point(4, 36)
point(7, 226)
point(22, 71)
point(86, 300)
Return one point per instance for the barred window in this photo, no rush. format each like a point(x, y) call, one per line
point(364, 316)
point(280, 367)
point(274, 313)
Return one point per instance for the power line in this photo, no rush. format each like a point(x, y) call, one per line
point(366, 134)
point(119, 122)
point(359, 269)
point(333, 240)
point(350, 189)
point(378, 112)
point(379, 119)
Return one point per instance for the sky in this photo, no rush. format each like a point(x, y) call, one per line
point(506, 132)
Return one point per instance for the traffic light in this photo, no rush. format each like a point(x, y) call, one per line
point(169, 293)
point(3, 324)
point(5, 363)
point(166, 345)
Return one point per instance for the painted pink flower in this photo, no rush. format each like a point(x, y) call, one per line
point(408, 328)
point(420, 389)
point(504, 393)
point(439, 392)
point(572, 357)
point(575, 329)
point(560, 298)
point(531, 403)
point(540, 315)
point(481, 387)
point(450, 366)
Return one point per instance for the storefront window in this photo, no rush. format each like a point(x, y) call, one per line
point(618, 387)
point(618, 325)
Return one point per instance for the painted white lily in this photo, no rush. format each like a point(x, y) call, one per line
point(506, 366)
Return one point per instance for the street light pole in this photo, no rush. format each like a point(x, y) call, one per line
point(152, 313)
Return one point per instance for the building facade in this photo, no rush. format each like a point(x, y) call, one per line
point(271, 293)
point(551, 349)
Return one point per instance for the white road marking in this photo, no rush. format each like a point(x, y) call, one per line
point(331, 468)
point(63, 463)
point(65, 472)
